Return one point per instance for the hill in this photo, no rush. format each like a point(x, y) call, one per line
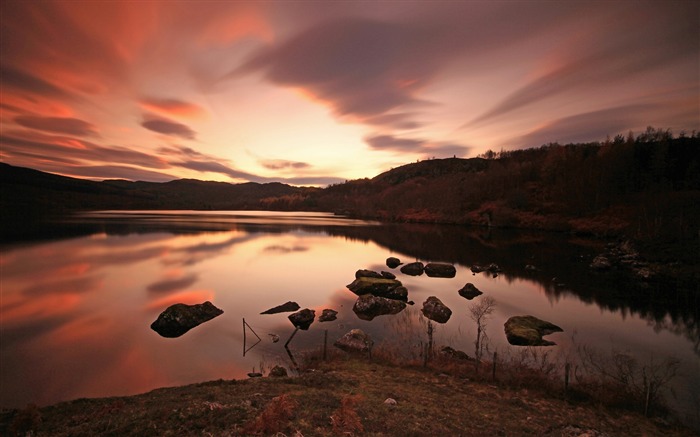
point(27, 193)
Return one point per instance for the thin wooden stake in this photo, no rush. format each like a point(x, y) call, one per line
point(493, 371)
point(325, 343)
point(286, 346)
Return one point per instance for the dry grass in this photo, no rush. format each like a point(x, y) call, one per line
point(340, 397)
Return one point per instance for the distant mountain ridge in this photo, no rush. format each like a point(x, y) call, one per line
point(26, 192)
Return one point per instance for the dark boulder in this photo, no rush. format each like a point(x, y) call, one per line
point(448, 352)
point(477, 268)
point(440, 270)
point(328, 315)
point(180, 318)
point(413, 269)
point(435, 310)
point(367, 306)
point(528, 331)
point(284, 308)
point(377, 287)
point(278, 372)
point(601, 262)
point(392, 262)
point(469, 291)
point(303, 319)
point(388, 275)
point(354, 341)
point(364, 273)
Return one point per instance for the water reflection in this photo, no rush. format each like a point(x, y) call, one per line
point(76, 311)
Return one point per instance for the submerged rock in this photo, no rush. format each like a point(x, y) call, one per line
point(392, 262)
point(354, 341)
point(528, 331)
point(180, 318)
point(378, 287)
point(601, 262)
point(413, 269)
point(368, 306)
point(440, 270)
point(435, 310)
point(328, 315)
point(469, 291)
point(284, 308)
point(303, 319)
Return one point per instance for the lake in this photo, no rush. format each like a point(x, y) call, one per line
point(78, 298)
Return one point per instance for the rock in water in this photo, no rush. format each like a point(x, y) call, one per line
point(413, 269)
point(328, 315)
point(440, 270)
point(180, 318)
point(364, 273)
point(284, 308)
point(389, 288)
point(469, 291)
point(367, 306)
point(354, 341)
point(278, 372)
point(528, 331)
point(435, 310)
point(303, 319)
point(392, 262)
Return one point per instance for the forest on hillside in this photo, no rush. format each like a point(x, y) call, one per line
point(645, 187)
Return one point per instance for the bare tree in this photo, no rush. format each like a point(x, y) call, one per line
point(479, 313)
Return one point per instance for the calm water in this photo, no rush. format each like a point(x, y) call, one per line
point(77, 304)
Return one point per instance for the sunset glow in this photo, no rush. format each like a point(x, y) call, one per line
point(313, 93)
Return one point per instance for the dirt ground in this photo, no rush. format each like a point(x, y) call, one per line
point(341, 397)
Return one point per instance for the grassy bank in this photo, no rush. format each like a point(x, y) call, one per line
point(342, 396)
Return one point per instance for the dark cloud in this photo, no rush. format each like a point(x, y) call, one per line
point(589, 126)
point(612, 59)
point(413, 145)
point(21, 143)
point(102, 172)
point(62, 125)
point(170, 285)
point(14, 78)
point(391, 142)
point(168, 127)
point(217, 167)
point(281, 164)
point(360, 67)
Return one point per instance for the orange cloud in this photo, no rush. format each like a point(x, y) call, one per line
point(172, 107)
point(234, 26)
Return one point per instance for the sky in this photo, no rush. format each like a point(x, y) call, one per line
point(315, 93)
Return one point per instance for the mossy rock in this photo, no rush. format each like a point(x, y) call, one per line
point(528, 331)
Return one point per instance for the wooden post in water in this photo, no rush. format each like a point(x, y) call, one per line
point(646, 403)
point(493, 372)
point(244, 336)
point(325, 343)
